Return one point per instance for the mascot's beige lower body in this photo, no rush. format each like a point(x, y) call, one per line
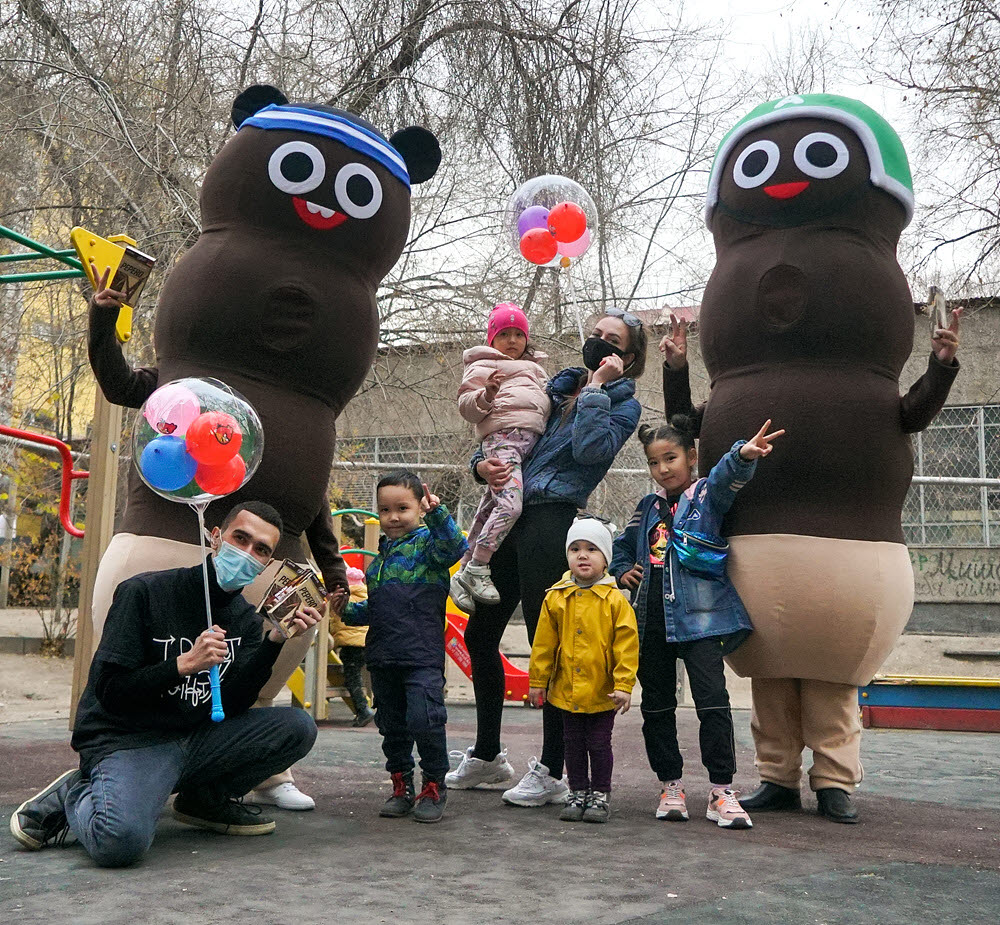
point(128, 555)
point(826, 614)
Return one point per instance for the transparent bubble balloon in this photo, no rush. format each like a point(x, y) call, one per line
point(195, 440)
point(529, 207)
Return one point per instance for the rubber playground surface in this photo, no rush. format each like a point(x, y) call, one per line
point(927, 848)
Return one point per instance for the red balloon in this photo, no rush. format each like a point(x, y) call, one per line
point(222, 479)
point(538, 246)
point(567, 222)
point(213, 438)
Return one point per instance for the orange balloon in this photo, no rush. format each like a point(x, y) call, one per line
point(213, 438)
point(222, 479)
point(567, 222)
point(538, 246)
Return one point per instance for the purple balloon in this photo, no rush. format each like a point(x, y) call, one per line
point(532, 217)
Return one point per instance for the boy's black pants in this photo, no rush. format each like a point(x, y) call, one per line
point(409, 709)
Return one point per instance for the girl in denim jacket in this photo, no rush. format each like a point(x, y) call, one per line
point(686, 614)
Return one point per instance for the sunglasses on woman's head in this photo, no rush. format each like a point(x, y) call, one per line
point(633, 321)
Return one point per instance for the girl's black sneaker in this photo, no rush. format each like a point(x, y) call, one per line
point(576, 803)
point(598, 809)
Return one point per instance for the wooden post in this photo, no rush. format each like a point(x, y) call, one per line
point(100, 524)
point(371, 537)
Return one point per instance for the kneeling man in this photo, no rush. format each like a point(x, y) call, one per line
point(143, 727)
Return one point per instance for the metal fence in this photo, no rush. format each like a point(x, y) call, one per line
point(954, 499)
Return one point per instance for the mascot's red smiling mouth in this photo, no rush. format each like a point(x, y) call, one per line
point(317, 216)
point(786, 190)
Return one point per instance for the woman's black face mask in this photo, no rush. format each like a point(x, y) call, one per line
point(596, 349)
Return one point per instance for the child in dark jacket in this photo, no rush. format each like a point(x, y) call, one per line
point(687, 608)
point(404, 650)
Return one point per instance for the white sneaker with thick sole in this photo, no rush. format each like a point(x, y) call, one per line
point(537, 788)
point(474, 772)
point(463, 600)
point(284, 796)
point(476, 580)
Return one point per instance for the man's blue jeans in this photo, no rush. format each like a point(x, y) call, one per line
point(114, 814)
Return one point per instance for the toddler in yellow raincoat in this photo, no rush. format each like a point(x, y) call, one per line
point(584, 661)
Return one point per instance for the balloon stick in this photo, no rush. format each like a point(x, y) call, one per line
point(571, 295)
point(218, 715)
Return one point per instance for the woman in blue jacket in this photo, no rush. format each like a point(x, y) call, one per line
point(594, 411)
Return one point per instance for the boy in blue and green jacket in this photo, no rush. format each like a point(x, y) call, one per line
point(404, 650)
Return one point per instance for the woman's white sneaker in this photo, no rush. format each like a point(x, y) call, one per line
point(284, 796)
point(474, 772)
point(537, 788)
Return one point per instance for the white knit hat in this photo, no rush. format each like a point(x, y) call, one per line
point(593, 531)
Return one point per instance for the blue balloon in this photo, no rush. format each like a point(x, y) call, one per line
point(166, 464)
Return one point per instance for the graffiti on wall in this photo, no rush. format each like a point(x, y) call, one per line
point(955, 575)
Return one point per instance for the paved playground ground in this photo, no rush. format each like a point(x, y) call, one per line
point(927, 849)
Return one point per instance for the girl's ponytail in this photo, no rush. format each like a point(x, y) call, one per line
point(680, 430)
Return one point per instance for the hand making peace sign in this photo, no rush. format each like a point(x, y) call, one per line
point(759, 444)
point(674, 345)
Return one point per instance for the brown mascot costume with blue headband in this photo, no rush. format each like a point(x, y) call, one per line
point(807, 319)
point(304, 212)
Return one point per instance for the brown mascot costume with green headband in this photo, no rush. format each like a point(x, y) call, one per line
point(807, 319)
point(304, 212)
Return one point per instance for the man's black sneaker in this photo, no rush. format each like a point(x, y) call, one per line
point(364, 718)
point(229, 817)
point(430, 802)
point(42, 819)
point(402, 799)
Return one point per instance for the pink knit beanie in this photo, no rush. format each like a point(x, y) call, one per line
point(505, 315)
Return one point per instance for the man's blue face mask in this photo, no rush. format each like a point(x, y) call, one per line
point(234, 568)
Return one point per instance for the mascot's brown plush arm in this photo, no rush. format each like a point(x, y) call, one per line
point(677, 396)
point(120, 384)
point(927, 395)
point(326, 550)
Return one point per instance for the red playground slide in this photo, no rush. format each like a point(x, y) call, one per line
point(515, 679)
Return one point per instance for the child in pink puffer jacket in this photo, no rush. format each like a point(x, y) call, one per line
point(503, 394)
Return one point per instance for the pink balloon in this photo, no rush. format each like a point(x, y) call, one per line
point(172, 409)
point(576, 248)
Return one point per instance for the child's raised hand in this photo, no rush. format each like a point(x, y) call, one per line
point(674, 345)
point(492, 385)
point(429, 502)
point(759, 444)
point(632, 578)
point(536, 697)
point(621, 700)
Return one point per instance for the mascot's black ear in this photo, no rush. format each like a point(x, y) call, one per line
point(254, 99)
point(420, 150)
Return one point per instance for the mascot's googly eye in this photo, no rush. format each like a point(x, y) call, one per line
point(358, 190)
point(821, 155)
point(296, 167)
point(756, 165)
